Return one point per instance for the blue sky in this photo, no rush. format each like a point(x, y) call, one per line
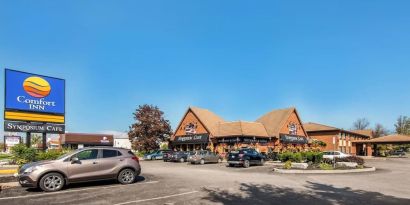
point(335, 61)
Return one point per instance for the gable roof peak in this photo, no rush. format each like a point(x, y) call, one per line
point(275, 119)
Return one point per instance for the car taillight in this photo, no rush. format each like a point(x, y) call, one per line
point(136, 159)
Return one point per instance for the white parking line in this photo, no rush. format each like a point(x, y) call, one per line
point(73, 190)
point(156, 198)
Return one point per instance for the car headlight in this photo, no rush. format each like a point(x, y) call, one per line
point(30, 169)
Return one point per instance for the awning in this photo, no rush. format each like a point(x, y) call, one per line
point(191, 139)
point(242, 139)
point(293, 139)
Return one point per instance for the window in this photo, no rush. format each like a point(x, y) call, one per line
point(87, 154)
point(107, 153)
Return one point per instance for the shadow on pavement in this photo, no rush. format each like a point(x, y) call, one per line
point(90, 184)
point(317, 194)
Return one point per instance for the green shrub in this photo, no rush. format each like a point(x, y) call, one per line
point(360, 166)
point(309, 156)
point(285, 156)
point(317, 157)
point(22, 154)
point(325, 166)
point(140, 154)
point(49, 154)
point(5, 156)
point(358, 160)
point(287, 165)
point(296, 157)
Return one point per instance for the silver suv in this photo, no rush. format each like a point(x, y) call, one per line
point(82, 165)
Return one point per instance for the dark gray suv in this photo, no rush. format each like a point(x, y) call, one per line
point(88, 164)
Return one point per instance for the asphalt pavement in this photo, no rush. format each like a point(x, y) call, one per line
point(181, 183)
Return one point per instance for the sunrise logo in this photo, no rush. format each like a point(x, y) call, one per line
point(36, 87)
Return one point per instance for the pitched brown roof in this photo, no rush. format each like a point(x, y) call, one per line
point(276, 119)
point(388, 139)
point(209, 119)
point(316, 127)
point(311, 126)
point(241, 128)
point(84, 137)
point(367, 132)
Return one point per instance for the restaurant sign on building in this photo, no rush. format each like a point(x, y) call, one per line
point(293, 139)
point(12, 126)
point(194, 139)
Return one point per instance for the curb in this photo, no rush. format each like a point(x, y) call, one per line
point(8, 185)
point(298, 171)
point(8, 171)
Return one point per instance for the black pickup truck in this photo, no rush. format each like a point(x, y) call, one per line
point(245, 158)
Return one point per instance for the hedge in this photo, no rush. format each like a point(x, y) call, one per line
point(358, 160)
point(314, 157)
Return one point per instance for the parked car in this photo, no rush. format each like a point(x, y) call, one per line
point(159, 154)
point(202, 157)
point(181, 156)
point(82, 165)
point(166, 155)
point(399, 153)
point(245, 158)
point(332, 154)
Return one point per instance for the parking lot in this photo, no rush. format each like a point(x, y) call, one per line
point(181, 183)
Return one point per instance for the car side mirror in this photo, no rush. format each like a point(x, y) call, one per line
point(75, 160)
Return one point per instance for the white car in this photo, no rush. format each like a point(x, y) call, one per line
point(332, 154)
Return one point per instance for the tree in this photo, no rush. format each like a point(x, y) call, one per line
point(361, 124)
point(36, 140)
point(150, 128)
point(403, 125)
point(379, 130)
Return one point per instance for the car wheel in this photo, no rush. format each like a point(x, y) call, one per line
point(246, 164)
point(126, 176)
point(182, 160)
point(202, 162)
point(262, 162)
point(52, 182)
point(231, 165)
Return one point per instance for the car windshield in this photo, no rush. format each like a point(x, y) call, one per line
point(245, 151)
point(65, 155)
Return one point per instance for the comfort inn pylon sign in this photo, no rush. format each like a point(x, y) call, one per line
point(33, 103)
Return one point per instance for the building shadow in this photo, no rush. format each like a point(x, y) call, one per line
point(315, 194)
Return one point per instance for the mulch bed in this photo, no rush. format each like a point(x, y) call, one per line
point(5, 179)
